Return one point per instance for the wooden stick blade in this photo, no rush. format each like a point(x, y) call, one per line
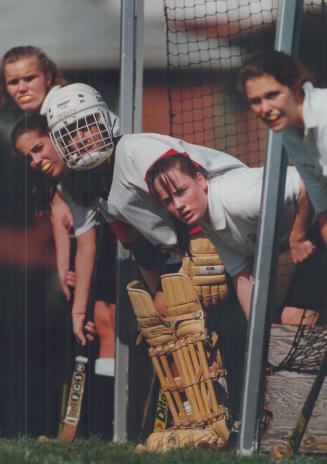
point(75, 398)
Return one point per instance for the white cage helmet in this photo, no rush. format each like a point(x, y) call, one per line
point(80, 126)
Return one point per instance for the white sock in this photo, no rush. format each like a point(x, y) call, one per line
point(105, 366)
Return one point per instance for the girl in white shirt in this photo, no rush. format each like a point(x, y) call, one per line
point(278, 89)
point(29, 79)
point(46, 169)
point(227, 207)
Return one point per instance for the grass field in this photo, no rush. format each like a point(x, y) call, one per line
point(94, 451)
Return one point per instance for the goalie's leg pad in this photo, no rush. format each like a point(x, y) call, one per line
point(153, 327)
point(179, 338)
point(190, 354)
point(160, 336)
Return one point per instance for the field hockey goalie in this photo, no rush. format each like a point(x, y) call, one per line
point(188, 364)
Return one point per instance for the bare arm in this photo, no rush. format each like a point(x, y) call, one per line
point(84, 262)
point(243, 286)
point(301, 248)
point(61, 221)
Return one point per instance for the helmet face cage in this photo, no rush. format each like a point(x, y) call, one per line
point(80, 126)
point(84, 141)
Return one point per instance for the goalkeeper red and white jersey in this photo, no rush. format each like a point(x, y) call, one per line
point(129, 199)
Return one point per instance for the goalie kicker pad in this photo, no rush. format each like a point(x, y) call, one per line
point(206, 270)
point(176, 347)
point(161, 442)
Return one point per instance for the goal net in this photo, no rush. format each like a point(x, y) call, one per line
point(207, 42)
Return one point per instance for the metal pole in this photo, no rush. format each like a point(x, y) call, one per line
point(139, 65)
point(126, 99)
point(130, 115)
point(263, 294)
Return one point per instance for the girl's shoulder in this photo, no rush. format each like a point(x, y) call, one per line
point(315, 100)
point(239, 186)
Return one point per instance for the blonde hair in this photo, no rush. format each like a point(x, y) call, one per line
point(46, 65)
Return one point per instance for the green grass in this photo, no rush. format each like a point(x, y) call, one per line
point(94, 451)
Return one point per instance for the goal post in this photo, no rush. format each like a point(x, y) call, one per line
point(130, 115)
point(262, 300)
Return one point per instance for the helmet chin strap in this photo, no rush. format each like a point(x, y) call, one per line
point(85, 163)
point(113, 127)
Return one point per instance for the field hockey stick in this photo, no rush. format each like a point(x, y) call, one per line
point(294, 441)
point(67, 351)
point(161, 415)
point(162, 411)
point(76, 392)
point(67, 370)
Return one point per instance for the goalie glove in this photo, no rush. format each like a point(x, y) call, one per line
point(205, 269)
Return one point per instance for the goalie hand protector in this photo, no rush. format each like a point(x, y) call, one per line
point(205, 269)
